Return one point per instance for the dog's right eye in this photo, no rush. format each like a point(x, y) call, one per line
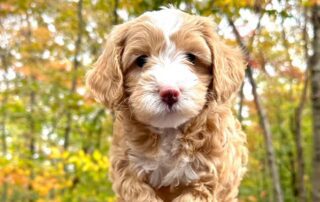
point(141, 60)
point(191, 57)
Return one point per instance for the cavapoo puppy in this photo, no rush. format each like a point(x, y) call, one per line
point(170, 82)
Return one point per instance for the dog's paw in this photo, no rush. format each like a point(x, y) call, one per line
point(155, 199)
point(188, 197)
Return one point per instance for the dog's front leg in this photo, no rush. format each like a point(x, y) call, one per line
point(134, 190)
point(130, 188)
point(198, 193)
point(207, 192)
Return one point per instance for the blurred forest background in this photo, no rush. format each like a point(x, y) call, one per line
point(54, 138)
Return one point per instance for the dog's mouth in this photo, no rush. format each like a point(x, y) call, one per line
point(170, 109)
point(157, 113)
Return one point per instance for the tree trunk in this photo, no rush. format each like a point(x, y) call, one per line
point(76, 65)
point(298, 140)
point(298, 122)
point(115, 14)
point(241, 96)
point(302, 195)
point(314, 66)
point(4, 102)
point(31, 121)
point(241, 93)
point(264, 121)
point(32, 101)
point(299, 187)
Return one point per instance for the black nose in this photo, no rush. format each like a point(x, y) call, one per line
point(169, 96)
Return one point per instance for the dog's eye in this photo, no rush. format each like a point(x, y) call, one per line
point(191, 57)
point(141, 60)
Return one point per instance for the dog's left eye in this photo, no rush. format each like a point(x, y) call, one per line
point(141, 60)
point(191, 57)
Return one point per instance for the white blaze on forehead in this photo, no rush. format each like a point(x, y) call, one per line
point(168, 20)
point(173, 73)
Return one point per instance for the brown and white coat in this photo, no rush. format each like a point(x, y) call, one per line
point(193, 150)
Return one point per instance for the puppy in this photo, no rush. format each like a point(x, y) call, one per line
point(170, 80)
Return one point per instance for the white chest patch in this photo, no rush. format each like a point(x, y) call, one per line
point(169, 167)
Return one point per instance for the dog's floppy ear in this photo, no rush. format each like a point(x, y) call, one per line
point(105, 80)
point(228, 71)
point(228, 66)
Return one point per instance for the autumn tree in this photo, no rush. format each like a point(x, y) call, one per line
point(314, 63)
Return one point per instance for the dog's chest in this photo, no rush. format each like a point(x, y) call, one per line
point(170, 166)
